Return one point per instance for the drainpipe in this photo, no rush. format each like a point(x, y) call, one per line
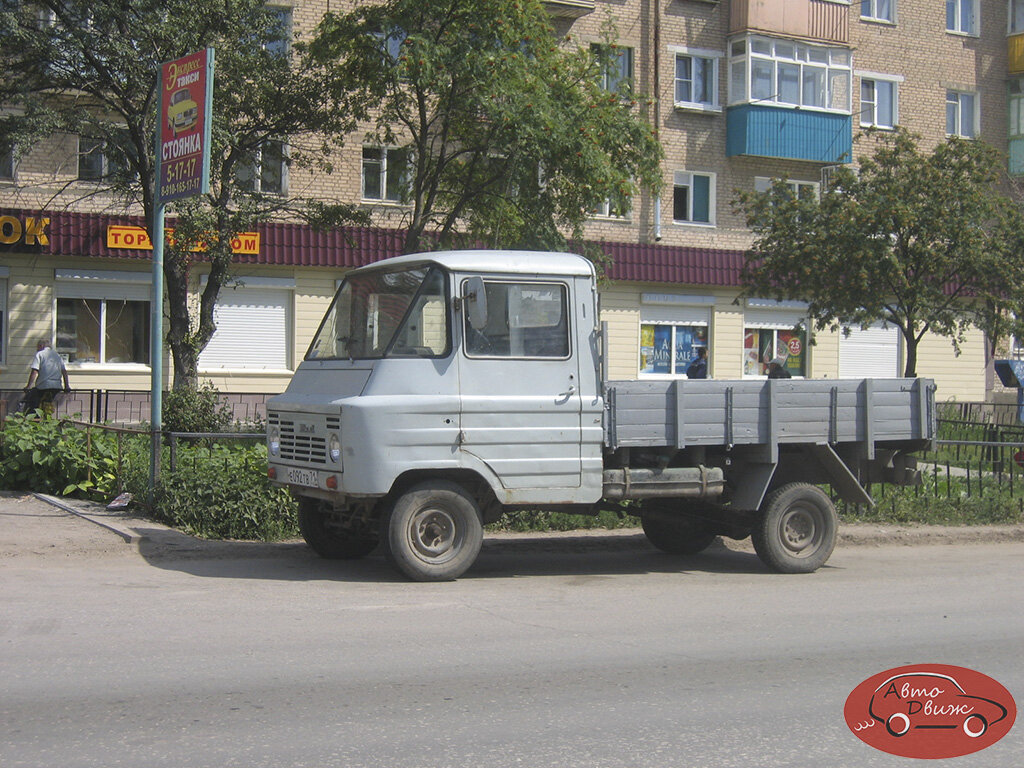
point(657, 108)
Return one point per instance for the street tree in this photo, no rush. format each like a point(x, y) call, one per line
point(492, 129)
point(91, 68)
point(928, 242)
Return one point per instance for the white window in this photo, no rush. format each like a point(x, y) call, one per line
point(673, 327)
point(1016, 16)
point(264, 170)
point(693, 198)
point(1016, 99)
point(769, 71)
point(618, 206)
point(962, 16)
point(872, 352)
point(102, 316)
point(385, 174)
point(878, 10)
point(801, 189)
point(616, 72)
point(696, 81)
point(879, 99)
point(772, 330)
point(252, 327)
point(962, 114)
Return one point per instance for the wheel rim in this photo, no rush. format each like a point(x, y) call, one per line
point(801, 531)
point(969, 728)
point(898, 724)
point(434, 535)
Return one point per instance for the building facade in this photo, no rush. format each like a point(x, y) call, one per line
point(745, 91)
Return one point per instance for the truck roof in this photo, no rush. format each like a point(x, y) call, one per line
point(515, 262)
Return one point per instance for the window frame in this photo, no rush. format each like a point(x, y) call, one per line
point(957, 17)
point(764, 184)
point(1015, 107)
point(713, 58)
point(258, 168)
point(1015, 25)
point(778, 317)
point(875, 78)
point(688, 177)
point(103, 286)
point(975, 116)
point(873, 14)
point(566, 320)
point(384, 199)
point(612, 79)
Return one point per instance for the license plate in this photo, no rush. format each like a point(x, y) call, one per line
point(306, 477)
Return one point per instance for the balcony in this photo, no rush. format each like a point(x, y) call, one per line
point(569, 9)
point(794, 134)
point(818, 20)
point(1015, 54)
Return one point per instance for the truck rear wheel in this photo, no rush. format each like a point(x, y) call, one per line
point(433, 531)
point(798, 528)
point(327, 534)
point(671, 530)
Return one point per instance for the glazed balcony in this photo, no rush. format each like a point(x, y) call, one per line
point(569, 9)
point(1015, 53)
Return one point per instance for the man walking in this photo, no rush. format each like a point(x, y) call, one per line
point(46, 375)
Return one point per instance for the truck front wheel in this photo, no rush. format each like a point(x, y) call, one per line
point(433, 531)
point(327, 533)
point(797, 530)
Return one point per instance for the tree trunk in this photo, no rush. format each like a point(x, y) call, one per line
point(910, 370)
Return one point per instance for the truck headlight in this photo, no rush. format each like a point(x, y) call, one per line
point(334, 447)
point(274, 441)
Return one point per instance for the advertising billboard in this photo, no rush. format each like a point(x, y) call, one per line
point(183, 149)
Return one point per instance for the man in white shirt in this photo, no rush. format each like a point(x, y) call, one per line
point(46, 375)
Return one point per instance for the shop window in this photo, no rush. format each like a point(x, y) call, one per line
point(103, 330)
point(257, 309)
point(762, 345)
point(668, 349)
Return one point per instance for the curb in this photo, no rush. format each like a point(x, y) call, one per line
point(129, 535)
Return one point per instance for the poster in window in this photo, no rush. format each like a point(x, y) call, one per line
point(646, 349)
point(688, 338)
point(791, 346)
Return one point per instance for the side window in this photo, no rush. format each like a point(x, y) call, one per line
point(528, 320)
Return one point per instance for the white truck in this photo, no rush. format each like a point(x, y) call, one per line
point(443, 389)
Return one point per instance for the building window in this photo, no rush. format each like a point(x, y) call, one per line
point(102, 316)
point(962, 16)
point(93, 163)
point(693, 198)
point(762, 345)
point(385, 174)
point(616, 71)
point(801, 189)
point(3, 317)
point(878, 10)
point(784, 72)
point(264, 170)
point(618, 206)
point(667, 349)
point(878, 102)
point(1016, 16)
point(696, 82)
point(6, 162)
point(961, 114)
point(257, 309)
point(279, 38)
point(1016, 100)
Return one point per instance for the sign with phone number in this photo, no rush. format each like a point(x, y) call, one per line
point(183, 152)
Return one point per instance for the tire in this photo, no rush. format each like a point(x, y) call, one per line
point(898, 724)
point(670, 529)
point(326, 535)
point(972, 731)
point(797, 530)
point(433, 531)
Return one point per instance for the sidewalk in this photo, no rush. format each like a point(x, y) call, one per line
point(39, 524)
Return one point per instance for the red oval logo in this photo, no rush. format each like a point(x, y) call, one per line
point(930, 711)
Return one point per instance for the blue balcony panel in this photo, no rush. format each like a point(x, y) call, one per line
point(1016, 156)
point(794, 134)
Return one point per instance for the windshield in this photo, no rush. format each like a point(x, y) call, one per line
point(398, 313)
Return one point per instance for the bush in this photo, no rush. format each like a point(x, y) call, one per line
point(195, 410)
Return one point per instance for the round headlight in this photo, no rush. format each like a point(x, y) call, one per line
point(335, 448)
point(274, 441)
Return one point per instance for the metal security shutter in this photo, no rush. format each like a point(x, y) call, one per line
point(252, 330)
point(870, 353)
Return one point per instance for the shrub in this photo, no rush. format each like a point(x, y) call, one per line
point(195, 410)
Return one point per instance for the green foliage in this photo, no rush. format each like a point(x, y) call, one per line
point(49, 456)
point(223, 492)
point(188, 409)
point(512, 139)
point(924, 241)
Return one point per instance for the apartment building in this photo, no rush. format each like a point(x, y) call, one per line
point(746, 91)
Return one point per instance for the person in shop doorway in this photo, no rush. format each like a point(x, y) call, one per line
point(46, 377)
point(777, 369)
point(698, 369)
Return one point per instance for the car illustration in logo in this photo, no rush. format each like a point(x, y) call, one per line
point(932, 701)
point(182, 112)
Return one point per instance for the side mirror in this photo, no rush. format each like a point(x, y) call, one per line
point(475, 298)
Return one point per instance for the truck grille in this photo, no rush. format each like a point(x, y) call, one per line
point(303, 441)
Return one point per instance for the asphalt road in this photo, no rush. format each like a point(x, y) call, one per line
point(550, 652)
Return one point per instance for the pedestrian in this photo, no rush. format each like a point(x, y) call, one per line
point(777, 369)
point(699, 367)
point(46, 376)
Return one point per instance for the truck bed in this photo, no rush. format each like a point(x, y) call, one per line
point(685, 413)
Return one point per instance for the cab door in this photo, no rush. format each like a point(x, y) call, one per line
point(520, 385)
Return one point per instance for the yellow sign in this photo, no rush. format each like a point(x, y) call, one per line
point(33, 230)
point(136, 238)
